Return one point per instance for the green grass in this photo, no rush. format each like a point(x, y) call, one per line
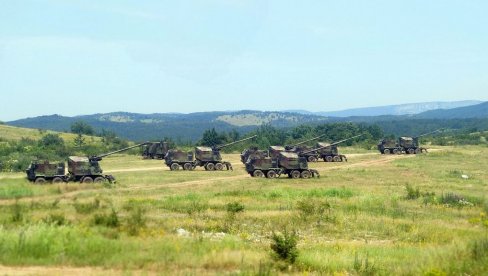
point(357, 218)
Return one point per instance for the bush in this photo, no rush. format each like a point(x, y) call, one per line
point(136, 220)
point(284, 246)
point(110, 220)
point(56, 219)
point(310, 208)
point(412, 193)
point(454, 200)
point(234, 208)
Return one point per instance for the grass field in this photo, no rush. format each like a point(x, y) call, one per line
point(17, 133)
point(374, 215)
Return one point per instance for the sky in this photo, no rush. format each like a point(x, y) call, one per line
point(74, 57)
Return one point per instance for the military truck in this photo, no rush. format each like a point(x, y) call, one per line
point(80, 169)
point(330, 152)
point(408, 145)
point(288, 163)
point(155, 150)
point(207, 157)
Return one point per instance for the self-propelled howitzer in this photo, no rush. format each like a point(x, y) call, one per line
point(408, 145)
point(300, 148)
point(330, 153)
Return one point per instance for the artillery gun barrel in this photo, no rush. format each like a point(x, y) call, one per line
point(235, 142)
point(333, 144)
point(99, 157)
point(309, 140)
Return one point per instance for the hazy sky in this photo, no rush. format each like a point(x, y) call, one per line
point(74, 57)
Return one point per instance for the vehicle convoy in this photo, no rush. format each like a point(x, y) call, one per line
point(289, 163)
point(80, 169)
point(330, 152)
point(408, 145)
point(155, 150)
point(207, 157)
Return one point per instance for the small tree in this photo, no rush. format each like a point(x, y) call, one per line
point(285, 246)
point(79, 140)
point(81, 127)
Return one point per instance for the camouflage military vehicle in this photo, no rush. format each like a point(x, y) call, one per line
point(408, 145)
point(207, 157)
point(288, 163)
point(330, 152)
point(300, 148)
point(42, 172)
point(253, 152)
point(155, 150)
point(175, 159)
point(80, 169)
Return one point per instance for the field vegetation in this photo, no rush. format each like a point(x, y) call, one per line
point(374, 215)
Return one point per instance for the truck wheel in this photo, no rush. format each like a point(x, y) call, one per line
point(386, 151)
point(328, 159)
point(187, 166)
point(87, 180)
point(312, 159)
point(337, 159)
point(306, 174)
point(417, 151)
point(258, 173)
point(219, 166)
point(175, 167)
point(395, 151)
point(40, 180)
point(57, 180)
point(295, 174)
point(411, 151)
point(99, 179)
point(271, 174)
point(210, 166)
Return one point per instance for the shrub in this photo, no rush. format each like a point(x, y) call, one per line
point(455, 200)
point(136, 220)
point(110, 220)
point(412, 193)
point(284, 246)
point(309, 208)
point(234, 208)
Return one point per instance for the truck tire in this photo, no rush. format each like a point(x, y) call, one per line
point(306, 174)
point(271, 174)
point(187, 167)
point(210, 166)
point(312, 159)
point(411, 151)
point(386, 151)
point(175, 167)
point(219, 166)
point(395, 151)
point(329, 159)
point(258, 173)
point(417, 151)
point(87, 180)
point(295, 174)
point(337, 159)
point(40, 181)
point(99, 179)
point(57, 180)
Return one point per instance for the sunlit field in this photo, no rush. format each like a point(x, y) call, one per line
point(376, 214)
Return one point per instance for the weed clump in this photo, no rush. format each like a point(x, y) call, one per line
point(136, 220)
point(17, 212)
point(56, 219)
point(234, 208)
point(284, 246)
point(455, 200)
point(308, 208)
point(412, 193)
point(364, 266)
point(87, 208)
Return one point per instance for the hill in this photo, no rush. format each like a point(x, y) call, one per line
point(402, 109)
point(473, 111)
point(12, 133)
point(141, 127)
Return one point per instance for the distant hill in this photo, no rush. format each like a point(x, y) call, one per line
point(402, 109)
point(473, 111)
point(11, 133)
point(184, 127)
